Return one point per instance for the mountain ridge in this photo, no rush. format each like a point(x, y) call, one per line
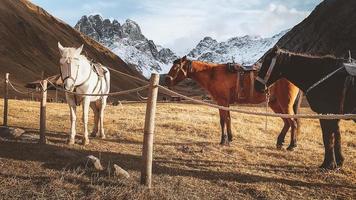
point(29, 46)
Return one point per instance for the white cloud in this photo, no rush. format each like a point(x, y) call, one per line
point(181, 24)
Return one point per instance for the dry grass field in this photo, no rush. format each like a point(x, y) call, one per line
point(188, 163)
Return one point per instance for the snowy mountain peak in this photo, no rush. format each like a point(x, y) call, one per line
point(132, 30)
point(128, 42)
point(246, 49)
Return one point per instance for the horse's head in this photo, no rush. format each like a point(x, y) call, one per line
point(179, 71)
point(69, 65)
point(269, 71)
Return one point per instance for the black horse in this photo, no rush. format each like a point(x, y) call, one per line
point(327, 85)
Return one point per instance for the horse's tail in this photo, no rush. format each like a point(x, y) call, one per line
point(296, 106)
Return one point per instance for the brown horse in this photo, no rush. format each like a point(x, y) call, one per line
point(225, 88)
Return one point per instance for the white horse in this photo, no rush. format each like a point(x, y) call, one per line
point(79, 76)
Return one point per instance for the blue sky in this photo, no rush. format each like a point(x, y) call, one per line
point(181, 24)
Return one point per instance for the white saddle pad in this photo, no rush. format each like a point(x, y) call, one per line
point(351, 68)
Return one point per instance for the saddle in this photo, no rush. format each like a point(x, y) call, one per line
point(245, 83)
point(98, 69)
point(233, 68)
point(350, 67)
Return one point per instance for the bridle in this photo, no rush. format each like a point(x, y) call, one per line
point(269, 72)
point(68, 60)
point(180, 68)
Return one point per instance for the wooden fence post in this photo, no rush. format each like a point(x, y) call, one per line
point(6, 99)
point(147, 150)
point(43, 113)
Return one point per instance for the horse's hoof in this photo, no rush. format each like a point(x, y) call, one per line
point(85, 141)
point(230, 139)
point(291, 148)
point(225, 143)
point(329, 166)
point(70, 141)
point(102, 136)
point(93, 134)
point(279, 146)
point(340, 163)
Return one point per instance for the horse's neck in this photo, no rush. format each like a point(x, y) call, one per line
point(304, 71)
point(84, 68)
point(201, 72)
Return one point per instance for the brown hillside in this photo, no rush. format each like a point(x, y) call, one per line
point(28, 46)
point(329, 29)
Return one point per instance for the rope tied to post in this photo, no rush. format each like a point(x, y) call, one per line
point(19, 91)
point(109, 94)
point(296, 116)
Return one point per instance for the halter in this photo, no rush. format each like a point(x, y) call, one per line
point(185, 72)
point(269, 72)
point(76, 75)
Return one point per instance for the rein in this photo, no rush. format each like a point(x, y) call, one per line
point(323, 79)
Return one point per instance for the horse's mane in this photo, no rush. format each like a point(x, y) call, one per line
point(284, 51)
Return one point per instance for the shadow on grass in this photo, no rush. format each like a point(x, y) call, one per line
point(51, 159)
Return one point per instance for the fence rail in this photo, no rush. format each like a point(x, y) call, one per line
point(153, 87)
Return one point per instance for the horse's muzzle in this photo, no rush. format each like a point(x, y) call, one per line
point(68, 85)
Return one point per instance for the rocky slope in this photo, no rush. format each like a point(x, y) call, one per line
point(128, 42)
point(246, 49)
point(29, 36)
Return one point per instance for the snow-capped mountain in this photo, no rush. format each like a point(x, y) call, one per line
point(128, 42)
point(246, 50)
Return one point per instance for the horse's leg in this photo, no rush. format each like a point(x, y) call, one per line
point(86, 104)
point(73, 119)
point(96, 119)
point(101, 115)
point(228, 126)
point(277, 109)
point(293, 136)
point(224, 139)
point(338, 153)
point(328, 139)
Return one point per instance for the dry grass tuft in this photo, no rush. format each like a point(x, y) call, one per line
point(188, 161)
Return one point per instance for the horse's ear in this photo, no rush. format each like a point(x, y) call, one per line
point(79, 50)
point(184, 58)
point(60, 47)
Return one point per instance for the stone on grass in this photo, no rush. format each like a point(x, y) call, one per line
point(119, 172)
point(11, 133)
point(92, 161)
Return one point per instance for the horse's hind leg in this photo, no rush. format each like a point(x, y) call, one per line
point(338, 153)
point(228, 126)
point(277, 109)
point(224, 139)
point(101, 117)
point(96, 119)
point(293, 137)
